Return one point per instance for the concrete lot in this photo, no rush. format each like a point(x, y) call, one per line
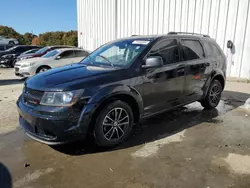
point(189, 147)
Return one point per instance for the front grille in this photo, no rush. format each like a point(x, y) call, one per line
point(34, 93)
point(16, 69)
point(32, 97)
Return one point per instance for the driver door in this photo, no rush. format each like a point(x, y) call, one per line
point(163, 86)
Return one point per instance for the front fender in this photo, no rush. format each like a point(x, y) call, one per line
point(104, 94)
point(115, 90)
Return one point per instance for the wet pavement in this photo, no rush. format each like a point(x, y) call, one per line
point(186, 148)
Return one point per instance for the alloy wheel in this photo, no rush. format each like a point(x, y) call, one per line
point(115, 124)
point(215, 93)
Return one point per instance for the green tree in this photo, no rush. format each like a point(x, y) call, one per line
point(28, 37)
point(44, 39)
point(11, 33)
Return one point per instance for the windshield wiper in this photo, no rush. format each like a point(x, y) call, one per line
point(106, 60)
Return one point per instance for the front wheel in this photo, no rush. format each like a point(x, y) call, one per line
point(12, 43)
point(114, 124)
point(213, 95)
point(43, 69)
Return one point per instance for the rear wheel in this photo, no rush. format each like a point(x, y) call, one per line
point(114, 124)
point(213, 95)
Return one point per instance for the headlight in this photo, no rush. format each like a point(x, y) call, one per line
point(22, 58)
point(68, 98)
point(27, 64)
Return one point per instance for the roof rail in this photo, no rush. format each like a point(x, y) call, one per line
point(187, 33)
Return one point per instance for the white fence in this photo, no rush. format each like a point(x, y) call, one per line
point(100, 21)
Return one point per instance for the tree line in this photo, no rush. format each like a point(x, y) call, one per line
point(44, 39)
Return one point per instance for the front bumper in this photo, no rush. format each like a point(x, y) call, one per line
point(52, 125)
point(6, 62)
point(24, 72)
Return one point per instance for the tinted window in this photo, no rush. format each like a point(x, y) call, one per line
point(192, 49)
point(168, 50)
point(67, 54)
point(80, 53)
point(212, 49)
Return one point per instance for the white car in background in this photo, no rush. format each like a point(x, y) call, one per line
point(55, 58)
point(8, 41)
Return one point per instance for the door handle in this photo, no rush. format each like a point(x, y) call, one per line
point(180, 71)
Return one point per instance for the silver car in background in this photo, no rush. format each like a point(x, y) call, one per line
point(8, 41)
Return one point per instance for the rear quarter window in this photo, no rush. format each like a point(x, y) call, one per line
point(212, 49)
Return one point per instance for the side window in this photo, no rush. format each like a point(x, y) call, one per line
point(67, 54)
point(192, 49)
point(80, 53)
point(168, 50)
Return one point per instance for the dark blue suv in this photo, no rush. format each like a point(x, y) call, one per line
point(119, 84)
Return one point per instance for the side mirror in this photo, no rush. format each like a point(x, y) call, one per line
point(230, 44)
point(58, 57)
point(153, 62)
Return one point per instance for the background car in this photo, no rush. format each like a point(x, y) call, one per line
point(5, 40)
point(31, 51)
point(41, 52)
point(7, 57)
point(5, 47)
point(55, 58)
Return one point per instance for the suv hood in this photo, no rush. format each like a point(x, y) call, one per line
point(67, 77)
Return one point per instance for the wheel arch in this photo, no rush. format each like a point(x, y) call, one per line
point(42, 66)
point(218, 75)
point(126, 94)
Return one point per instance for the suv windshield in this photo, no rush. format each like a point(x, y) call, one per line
point(41, 51)
point(50, 54)
point(121, 53)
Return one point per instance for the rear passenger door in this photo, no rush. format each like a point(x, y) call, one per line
point(197, 67)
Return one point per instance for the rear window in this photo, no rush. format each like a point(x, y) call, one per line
point(212, 49)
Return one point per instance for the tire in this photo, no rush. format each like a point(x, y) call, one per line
point(213, 95)
point(11, 43)
point(42, 69)
point(110, 133)
point(13, 63)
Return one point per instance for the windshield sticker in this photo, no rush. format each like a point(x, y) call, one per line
point(141, 42)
